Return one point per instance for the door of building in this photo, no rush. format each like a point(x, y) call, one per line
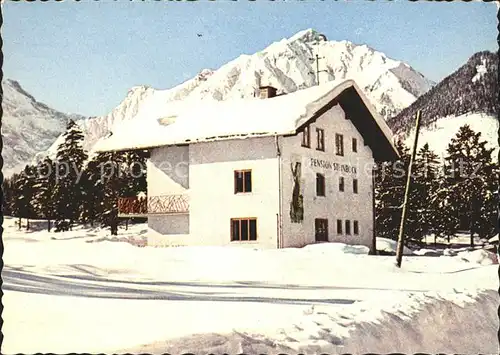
point(321, 229)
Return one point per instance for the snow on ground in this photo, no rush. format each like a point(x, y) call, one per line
point(390, 246)
point(79, 291)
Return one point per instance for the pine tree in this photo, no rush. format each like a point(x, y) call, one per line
point(425, 185)
point(134, 163)
point(107, 177)
point(389, 193)
point(445, 225)
point(24, 186)
point(69, 169)
point(15, 204)
point(469, 172)
point(7, 197)
point(112, 187)
point(93, 196)
point(44, 195)
point(110, 182)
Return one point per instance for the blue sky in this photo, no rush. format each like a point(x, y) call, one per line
point(82, 57)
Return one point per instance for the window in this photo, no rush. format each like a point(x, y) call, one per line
point(339, 226)
point(306, 137)
point(243, 229)
point(354, 145)
point(320, 185)
point(355, 186)
point(242, 181)
point(320, 138)
point(347, 227)
point(321, 229)
point(355, 227)
point(341, 183)
point(339, 144)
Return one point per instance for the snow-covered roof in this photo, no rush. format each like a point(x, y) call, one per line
point(181, 123)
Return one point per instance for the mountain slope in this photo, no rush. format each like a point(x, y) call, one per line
point(467, 96)
point(28, 126)
point(391, 85)
point(439, 133)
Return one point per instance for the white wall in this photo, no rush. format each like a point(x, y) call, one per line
point(168, 174)
point(335, 205)
point(213, 202)
point(173, 224)
point(168, 170)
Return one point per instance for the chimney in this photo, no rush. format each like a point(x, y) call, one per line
point(266, 92)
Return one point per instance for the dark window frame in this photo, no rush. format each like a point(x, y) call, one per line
point(339, 227)
point(248, 232)
point(339, 144)
point(354, 145)
point(355, 227)
point(348, 227)
point(320, 139)
point(355, 186)
point(341, 184)
point(244, 182)
point(306, 137)
point(320, 184)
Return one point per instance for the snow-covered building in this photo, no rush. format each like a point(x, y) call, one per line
point(274, 171)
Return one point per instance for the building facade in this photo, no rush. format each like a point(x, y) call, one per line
point(314, 184)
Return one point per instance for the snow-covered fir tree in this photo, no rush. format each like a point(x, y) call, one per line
point(24, 190)
point(107, 177)
point(389, 193)
point(70, 159)
point(471, 183)
point(426, 172)
point(7, 196)
point(111, 183)
point(93, 196)
point(45, 183)
point(136, 172)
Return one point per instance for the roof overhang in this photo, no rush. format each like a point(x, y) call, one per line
point(375, 131)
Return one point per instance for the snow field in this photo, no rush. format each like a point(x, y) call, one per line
point(70, 295)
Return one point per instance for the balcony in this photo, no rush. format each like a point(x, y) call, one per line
point(153, 205)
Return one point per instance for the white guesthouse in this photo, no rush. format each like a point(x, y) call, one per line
point(273, 172)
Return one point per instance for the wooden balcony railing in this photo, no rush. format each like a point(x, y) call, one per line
point(132, 206)
point(164, 204)
point(168, 204)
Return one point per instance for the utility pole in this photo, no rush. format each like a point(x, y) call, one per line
point(317, 59)
point(399, 250)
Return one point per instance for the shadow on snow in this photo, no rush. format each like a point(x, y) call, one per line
point(22, 281)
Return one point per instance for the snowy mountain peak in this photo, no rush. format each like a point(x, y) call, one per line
point(204, 74)
point(288, 65)
point(138, 90)
point(308, 35)
point(28, 126)
point(17, 86)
